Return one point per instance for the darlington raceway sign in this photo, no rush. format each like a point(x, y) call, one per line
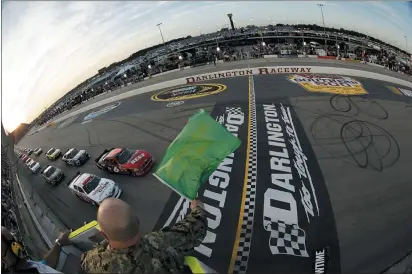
point(246, 72)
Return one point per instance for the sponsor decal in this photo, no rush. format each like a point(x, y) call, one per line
point(293, 215)
point(100, 188)
point(395, 90)
point(321, 260)
point(188, 92)
point(221, 196)
point(328, 84)
point(282, 161)
point(400, 91)
point(246, 72)
point(138, 158)
point(99, 112)
point(406, 92)
point(175, 104)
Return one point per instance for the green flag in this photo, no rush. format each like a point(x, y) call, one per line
point(195, 153)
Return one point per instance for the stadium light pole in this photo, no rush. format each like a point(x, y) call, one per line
point(158, 25)
point(406, 44)
point(323, 19)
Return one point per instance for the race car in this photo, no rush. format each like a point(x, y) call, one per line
point(75, 157)
point(93, 189)
point(34, 167)
point(28, 160)
point(53, 175)
point(37, 151)
point(53, 153)
point(126, 161)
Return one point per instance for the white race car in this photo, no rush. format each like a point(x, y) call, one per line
point(37, 151)
point(28, 161)
point(75, 157)
point(34, 166)
point(93, 189)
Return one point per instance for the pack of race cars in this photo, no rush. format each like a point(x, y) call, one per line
point(89, 187)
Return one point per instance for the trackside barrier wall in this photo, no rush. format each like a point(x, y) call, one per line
point(270, 56)
point(164, 73)
point(375, 65)
point(39, 227)
point(48, 226)
point(235, 73)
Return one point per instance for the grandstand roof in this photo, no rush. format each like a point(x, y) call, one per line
point(124, 69)
point(99, 79)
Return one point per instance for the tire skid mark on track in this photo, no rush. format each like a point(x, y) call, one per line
point(98, 140)
point(89, 138)
point(156, 123)
point(59, 200)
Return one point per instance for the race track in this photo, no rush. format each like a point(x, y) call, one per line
point(335, 166)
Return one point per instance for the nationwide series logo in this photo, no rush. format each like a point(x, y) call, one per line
point(328, 84)
point(188, 92)
point(95, 114)
point(400, 91)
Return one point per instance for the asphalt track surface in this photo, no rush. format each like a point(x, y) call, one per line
point(358, 151)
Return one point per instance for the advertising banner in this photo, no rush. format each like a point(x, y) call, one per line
point(294, 229)
point(328, 84)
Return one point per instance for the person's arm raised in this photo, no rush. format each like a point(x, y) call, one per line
point(52, 257)
point(188, 233)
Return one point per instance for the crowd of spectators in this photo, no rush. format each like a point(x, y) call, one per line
point(151, 64)
point(8, 214)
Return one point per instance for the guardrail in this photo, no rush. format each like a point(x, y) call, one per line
point(48, 225)
point(34, 218)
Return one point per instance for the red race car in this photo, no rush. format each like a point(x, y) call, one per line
point(126, 161)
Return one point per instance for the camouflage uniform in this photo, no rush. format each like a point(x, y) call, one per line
point(161, 251)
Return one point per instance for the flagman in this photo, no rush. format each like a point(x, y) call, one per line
point(125, 251)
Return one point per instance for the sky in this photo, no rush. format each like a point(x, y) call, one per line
point(49, 47)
